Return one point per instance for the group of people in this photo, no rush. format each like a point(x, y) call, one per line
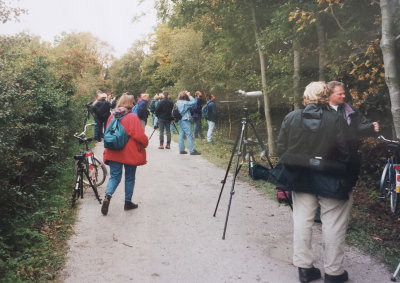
point(318, 163)
point(318, 147)
point(190, 108)
point(134, 153)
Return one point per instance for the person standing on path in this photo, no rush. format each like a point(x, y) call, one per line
point(101, 112)
point(314, 164)
point(152, 108)
point(211, 117)
point(196, 115)
point(357, 125)
point(131, 156)
point(142, 111)
point(163, 112)
point(184, 104)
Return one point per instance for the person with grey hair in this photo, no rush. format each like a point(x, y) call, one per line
point(313, 164)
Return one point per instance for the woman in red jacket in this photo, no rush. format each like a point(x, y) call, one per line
point(132, 155)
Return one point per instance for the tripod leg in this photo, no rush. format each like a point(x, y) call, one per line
point(94, 188)
point(395, 273)
point(175, 128)
point(237, 168)
point(261, 144)
point(227, 172)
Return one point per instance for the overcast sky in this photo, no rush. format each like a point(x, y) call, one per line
point(109, 20)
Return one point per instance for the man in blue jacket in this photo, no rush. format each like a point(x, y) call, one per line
point(211, 117)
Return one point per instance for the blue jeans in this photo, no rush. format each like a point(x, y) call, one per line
point(99, 129)
point(211, 126)
point(115, 178)
point(164, 124)
point(185, 129)
point(197, 127)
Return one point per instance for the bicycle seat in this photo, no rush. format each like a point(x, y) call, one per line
point(80, 156)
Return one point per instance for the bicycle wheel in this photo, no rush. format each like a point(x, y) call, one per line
point(77, 189)
point(384, 184)
point(100, 172)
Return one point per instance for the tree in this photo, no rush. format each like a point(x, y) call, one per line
point(388, 10)
point(8, 13)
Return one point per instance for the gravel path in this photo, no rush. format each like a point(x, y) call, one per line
point(172, 236)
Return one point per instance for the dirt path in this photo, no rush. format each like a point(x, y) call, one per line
point(172, 236)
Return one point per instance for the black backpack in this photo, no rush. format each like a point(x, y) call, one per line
point(175, 113)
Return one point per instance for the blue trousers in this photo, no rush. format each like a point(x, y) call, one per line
point(197, 127)
point(115, 178)
point(185, 129)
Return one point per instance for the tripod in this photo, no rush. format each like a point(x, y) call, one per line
point(156, 127)
point(243, 154)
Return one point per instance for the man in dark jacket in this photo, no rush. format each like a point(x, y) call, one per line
point(101, 111)
point(211, 117)
point(357, 126)
point(163, 112)
point(313, 165)
point(142, 110)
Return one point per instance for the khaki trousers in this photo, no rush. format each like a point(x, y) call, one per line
point(335, 216)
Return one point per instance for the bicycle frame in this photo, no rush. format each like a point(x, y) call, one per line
point(390, 180)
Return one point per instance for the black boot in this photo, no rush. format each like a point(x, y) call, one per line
point(309, 274)
point(130, 205)
point(336, 278)
point(106, 203)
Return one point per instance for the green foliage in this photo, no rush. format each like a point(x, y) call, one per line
point(38, 116)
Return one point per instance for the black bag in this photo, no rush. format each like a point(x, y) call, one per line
point(258, 171)
point(175, 113)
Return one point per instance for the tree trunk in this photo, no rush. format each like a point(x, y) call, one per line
point(267, 110)
point(389, 59)
point(296, 75)
point(322, 50)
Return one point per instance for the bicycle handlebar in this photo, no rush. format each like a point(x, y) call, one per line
point(380, 137)
point(82, 135)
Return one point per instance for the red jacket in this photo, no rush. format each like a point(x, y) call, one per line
point(134, 152)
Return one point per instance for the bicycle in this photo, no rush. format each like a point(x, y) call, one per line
point(96, 167)
point(389, 185)
point(87, 169)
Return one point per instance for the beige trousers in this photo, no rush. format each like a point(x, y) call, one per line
point(335, 216)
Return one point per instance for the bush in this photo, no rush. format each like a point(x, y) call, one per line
point(36, 114)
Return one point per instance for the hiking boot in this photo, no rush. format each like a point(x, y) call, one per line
point(106, 203)
point(168, 146)
point(182, 152)
point(130, 205)
point(309, 274)
point(161, 146)
point(336, 278)
point(195, 152)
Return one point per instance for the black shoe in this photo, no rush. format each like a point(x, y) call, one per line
point(130, 205)
point(195, 153)
point(336, 278)
point(309, 274)
point(182, 152)
point(106, 203)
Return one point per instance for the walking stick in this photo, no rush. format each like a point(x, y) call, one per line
point(155, 128)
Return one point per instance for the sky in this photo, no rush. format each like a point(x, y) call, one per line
point(109, 20)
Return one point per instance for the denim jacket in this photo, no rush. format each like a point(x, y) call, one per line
point(184, 108)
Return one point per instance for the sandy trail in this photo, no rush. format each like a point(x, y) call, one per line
point(172, 236)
